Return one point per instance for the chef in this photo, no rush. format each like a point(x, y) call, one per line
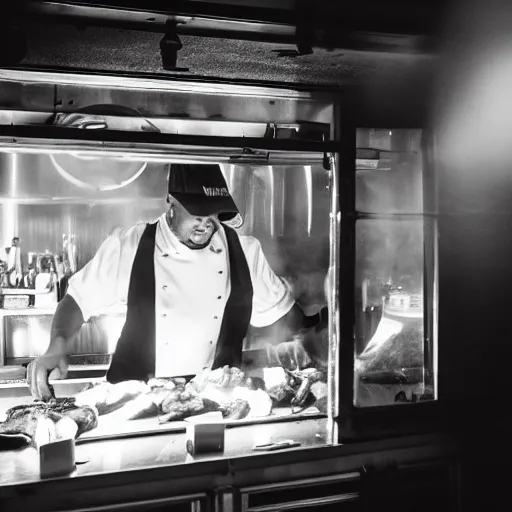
point(192, 286)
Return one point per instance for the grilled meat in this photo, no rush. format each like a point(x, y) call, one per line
point(142, 406)
point(179, 410)
point(42, 422)
point(107, 397)
point(236, 410)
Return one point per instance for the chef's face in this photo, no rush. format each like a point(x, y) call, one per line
point(193, 231)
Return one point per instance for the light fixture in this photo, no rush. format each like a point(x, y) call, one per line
point(170, 45)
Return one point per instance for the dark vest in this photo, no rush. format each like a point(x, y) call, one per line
point(134, 357)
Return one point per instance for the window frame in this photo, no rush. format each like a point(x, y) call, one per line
point(372, 423)
point(350, 423)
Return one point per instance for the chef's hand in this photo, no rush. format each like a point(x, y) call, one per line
point(51, 365)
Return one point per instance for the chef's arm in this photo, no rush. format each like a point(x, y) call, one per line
point(66, 323)
point(52, 364)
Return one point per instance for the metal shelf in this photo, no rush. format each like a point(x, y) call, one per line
point(27, 311)
point(30, 201)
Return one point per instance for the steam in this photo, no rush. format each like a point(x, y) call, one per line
point(389, 248)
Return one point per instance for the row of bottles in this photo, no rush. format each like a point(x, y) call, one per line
point(39, 271)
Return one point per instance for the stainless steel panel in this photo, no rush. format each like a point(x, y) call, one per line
point(285, 207)
point(40, 176)
point(274, 201)
point(29, 336)
point(26, 336)
point(50, 92)
point(137, 122)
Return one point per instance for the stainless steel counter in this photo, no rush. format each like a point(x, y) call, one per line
point(109, 456)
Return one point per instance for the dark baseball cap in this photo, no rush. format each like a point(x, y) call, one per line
point(202, 190)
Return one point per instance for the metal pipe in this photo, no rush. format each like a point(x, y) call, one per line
point(332, 284)
point(156, 84)
point(10, 209)
point(309, 192)
point(272, 201)
point(59, 135)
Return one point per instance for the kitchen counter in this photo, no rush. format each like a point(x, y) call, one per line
point(114, 455)
point(145, 473)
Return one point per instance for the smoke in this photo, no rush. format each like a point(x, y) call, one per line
point(389, 248)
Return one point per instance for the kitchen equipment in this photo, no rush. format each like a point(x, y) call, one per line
point(14, 301)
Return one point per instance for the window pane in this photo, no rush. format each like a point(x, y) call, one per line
point(49, 202)
point(389, 171)
point(393, 363)
point(394, 348)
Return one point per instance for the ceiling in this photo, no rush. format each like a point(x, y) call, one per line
point(379, 46)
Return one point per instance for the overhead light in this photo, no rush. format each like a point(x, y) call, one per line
point(170, 45)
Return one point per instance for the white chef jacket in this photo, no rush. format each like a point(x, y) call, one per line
point(192, 288)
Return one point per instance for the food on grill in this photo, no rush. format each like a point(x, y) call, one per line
point(306, 378)
point(172, 399)
point(184, 408)
point(235, 410)
point(158, 396)
point(43, 422)
point(222, 378)
point(175, 397)
point(142, 406)
point(259, 402)
point(278, 384)
point(298, 388)
point(165, 383)
point(212, 392)
point(107, 397)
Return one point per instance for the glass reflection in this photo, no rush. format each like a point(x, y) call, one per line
point(393, 360)
point(60, 221)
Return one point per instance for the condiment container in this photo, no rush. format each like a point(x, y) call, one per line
point(57, 458)
point(205, 433)
point(56, 446)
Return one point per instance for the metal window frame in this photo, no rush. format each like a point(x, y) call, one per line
point(330, 499)
point(340, 152)
point(195, 500)
point(373, 423)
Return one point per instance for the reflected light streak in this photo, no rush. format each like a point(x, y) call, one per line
point(10, 216)
point(112, 326)
point(38, 339)
point(272, 205)
point(232, 177)
point(309, 191)
point(14, 174)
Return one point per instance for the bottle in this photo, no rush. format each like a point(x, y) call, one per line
point(44, 277)
point(14, 263)
point(65, 256)
point(72, 254)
